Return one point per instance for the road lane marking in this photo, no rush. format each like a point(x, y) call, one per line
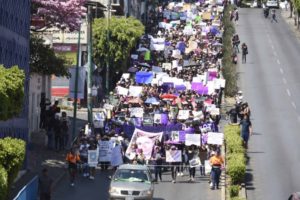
point(272, 46)
point(284, 80)
point(288, 92)
point(294, 105)
point(281, 70)
point(278, 62)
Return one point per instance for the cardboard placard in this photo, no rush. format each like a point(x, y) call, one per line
point(192, 139)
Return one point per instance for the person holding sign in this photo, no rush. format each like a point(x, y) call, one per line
point(192, 158)
point(158, 160)
point(216, 162)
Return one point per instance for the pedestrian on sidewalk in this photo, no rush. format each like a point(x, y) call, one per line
point(65, 124)
point(216, 161)
point(45, 185)
point(72, 159)
point(246, 130)
point(58, 137)
point(244, 52)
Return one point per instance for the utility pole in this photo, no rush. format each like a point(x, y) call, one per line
point(108, 39)
point(76, 85)
point(90, 65)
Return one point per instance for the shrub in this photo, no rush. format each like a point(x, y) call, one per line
point(236, 167)
point(233, 140)
point(237, 198)
point(3, 183)
point(12, 154)
point(234, 190)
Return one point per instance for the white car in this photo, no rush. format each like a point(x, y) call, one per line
point(272, 4)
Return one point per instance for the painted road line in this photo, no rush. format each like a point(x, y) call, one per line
point(278, 62)
point(284, 80)
point(294, 105)
point(281, 70)
point(288, 92)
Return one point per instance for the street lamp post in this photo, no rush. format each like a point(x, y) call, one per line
point(76, 85)
point(108, 38)
point(90, 64)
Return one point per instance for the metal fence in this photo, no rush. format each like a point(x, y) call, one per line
point(29, 191)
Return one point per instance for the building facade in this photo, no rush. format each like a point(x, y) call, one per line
point(14, 50)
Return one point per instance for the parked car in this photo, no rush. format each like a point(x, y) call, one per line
point(131, 182)
point(272, 4)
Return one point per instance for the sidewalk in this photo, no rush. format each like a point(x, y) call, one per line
point(38, 157)
point(290, 21)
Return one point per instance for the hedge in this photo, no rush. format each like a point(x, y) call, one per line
point(3, 183)
point(234, 142)
point(12, 154)
point(237, 198)
point(236, 167)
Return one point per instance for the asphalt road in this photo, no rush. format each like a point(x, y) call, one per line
point(270, 81)
point(86, 189)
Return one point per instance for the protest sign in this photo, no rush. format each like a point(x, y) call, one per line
point(183, 114)
point(134, 56)
point(156, 69)
point(192, 139)
point(215, 111)
point(215, 138)
point(167, 66)
point(108, 106)
point(173, 156)
point(143, 77)
point(145, 141)
point(135, 91)
point(195, 162)
point(93, 157)
point(207, 167)
point(126, 75)
point(174, 136)
point(122, 91)
point(116, 156)
point(136, 112)
point(105, 148)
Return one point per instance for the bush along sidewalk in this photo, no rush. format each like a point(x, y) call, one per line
point(12, 154)
point(228, 68)
point(235, 159)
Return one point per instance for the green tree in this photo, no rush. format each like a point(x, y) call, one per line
point(123, 36)
point(11, 91)
point(43, 59)
point(12, 154)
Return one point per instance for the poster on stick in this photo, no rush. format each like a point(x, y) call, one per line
point(215, 138)
point(173, 156)
point(192, 139)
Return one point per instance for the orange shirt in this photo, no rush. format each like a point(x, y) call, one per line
point(72, 158)
point(216, 160)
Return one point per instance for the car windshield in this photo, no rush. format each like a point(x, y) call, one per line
point(131, 175)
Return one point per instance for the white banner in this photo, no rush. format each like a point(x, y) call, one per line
point(135, 91)
point(81, 82)
point(192, 139)
point(122, 91)
point(173, 156)
point(195, 162)
point(183, 114)
point(136, 112)
point(215, 138)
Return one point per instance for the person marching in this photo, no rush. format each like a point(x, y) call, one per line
point(158, 160)
point(246, 130)
point(216, 161)
point(72, 159)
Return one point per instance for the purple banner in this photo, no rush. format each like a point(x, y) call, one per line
point(182, 136)
point(180, 87)
point(196, 86)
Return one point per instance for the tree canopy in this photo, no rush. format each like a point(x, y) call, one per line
point(43, 59)
point(11, 91)
point(123, 36)
point(59, 13)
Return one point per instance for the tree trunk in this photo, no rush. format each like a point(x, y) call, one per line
point(298, 24)
point(291, 9)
